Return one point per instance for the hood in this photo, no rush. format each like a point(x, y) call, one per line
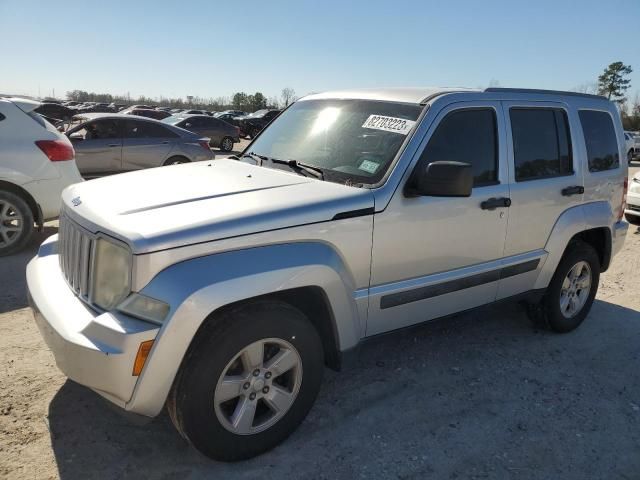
point(174, 206)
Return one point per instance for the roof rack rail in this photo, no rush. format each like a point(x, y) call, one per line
point(543, 92)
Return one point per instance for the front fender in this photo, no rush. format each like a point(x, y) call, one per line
point(196, 288)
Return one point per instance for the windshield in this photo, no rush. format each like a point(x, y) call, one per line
point(352, 141)
point(172, 120)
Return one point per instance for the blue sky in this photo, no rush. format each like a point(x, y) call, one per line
point(215, 48)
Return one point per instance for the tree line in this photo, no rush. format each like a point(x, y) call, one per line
point(613, 83)
point(237, 101)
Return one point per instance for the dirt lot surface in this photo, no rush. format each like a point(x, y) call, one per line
point(481, 395)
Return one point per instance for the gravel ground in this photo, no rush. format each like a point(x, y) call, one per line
point(480, 395)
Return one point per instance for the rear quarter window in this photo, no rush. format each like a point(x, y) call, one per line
point(600, 139)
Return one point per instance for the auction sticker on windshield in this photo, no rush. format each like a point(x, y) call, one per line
point(389, 124)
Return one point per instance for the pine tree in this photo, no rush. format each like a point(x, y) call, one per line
point(613, 84)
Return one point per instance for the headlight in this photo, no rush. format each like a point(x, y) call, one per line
point(111, 275)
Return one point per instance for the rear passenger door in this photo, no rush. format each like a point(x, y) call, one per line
point(545, 181)
point(145, 144)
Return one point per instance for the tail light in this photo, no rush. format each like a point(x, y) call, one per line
point(56, 150)
point(204, 144)
point(623, 204)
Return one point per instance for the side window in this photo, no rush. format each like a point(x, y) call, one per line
point(135, 129)
point(100, 130)
point(600, 138)
point(469, 136)
point(541, 143)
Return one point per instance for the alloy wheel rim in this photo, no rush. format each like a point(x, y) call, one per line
point(225, 144)
point(258, 386)
point(575, 289)
point(11, 223)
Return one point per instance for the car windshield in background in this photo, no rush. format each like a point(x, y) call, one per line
point(172, 120)
point(352, 141)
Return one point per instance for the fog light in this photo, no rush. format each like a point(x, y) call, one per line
point(141, 357)
point(145, 308)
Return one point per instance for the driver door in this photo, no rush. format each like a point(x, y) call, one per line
point(434, 256)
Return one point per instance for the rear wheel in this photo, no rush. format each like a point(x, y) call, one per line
point(248, 381)
point(16, 223)
point(226, 145)
point(176, 161)
point(630, 156)
point(571, 291)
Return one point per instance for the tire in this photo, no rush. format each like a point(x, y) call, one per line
point(549, 313)
point(254, 132)
point(16, 223)
point(632, 219)
point(175, 161)
point(226, 145)
point(630, 156)
point(196, 405)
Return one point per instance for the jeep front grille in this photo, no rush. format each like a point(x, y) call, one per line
point(75, 249)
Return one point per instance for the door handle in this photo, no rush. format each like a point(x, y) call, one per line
point(493, 203)
point(113, 145)
point(575, 190)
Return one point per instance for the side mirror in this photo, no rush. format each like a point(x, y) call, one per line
point(441, 179)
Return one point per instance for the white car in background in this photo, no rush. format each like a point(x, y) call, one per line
point(631, 145)
point(36, 164)
point(632, 207)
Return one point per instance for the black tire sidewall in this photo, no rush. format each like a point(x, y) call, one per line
point(196, 386)
point(576, 252)
point(632, 219)
point(27, 215)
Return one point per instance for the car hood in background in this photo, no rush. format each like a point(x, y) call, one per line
point(184, 204)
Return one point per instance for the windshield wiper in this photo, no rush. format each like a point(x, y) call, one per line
point(299, 166)
point(255, 157)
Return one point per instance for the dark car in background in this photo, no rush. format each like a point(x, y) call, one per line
point(147, 112)
point(114, 143)
point(55, 110)
point(252, 124)
point(222, 134)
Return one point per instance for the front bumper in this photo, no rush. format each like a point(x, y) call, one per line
point(94, 349)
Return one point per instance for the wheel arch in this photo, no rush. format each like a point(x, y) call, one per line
point(309, 276)
point(590, 223)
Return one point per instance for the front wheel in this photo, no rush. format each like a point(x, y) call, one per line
point(571, 291)
point(632, 219)
point(248, 381)
point(630, 156)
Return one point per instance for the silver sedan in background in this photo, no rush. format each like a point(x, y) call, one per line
point(115, 143)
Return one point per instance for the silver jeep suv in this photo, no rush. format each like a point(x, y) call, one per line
point(222, 289)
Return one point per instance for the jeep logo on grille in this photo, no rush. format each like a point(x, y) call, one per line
point(76, 201)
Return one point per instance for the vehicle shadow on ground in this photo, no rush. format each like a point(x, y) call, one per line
point(479, 395)
point(13, 283)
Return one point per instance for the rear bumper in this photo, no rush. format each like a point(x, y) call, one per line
point(47, 192)
point(618, 233)
point(94, 349)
